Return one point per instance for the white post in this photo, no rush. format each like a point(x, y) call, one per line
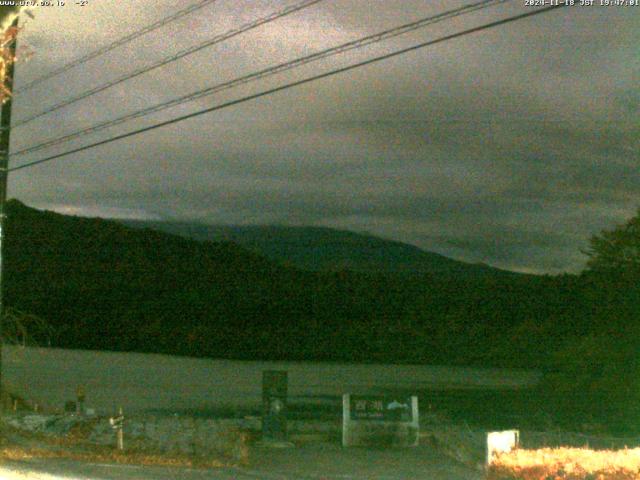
point(121, 431)
point(346, 416)
point(117, 423)
point(415, 419)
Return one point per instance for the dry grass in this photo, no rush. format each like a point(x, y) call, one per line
point(112, 456)
point(28, 445)
point(566, 464)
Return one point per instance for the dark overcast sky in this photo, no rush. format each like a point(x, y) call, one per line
point(509, 147)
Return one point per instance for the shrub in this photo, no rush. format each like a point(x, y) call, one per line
point(566, 464)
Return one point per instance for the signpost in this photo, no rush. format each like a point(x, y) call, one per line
point(274, 406)
point(379, 420)
point(501, 442)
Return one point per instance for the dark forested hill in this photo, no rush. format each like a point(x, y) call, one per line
point(324, 249)
point(103, 285)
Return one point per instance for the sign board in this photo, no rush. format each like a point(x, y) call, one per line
point(501, 442)
point(380, 409)
point(380, 420)
point(274, 405)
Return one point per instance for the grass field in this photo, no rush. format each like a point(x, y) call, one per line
point(146, 382)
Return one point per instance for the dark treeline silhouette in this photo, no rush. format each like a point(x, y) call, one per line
point(103, 285)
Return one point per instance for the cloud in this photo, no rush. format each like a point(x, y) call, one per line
point(511, 147)
point(100, 211)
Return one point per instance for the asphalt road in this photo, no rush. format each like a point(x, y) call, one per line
point(313, 462)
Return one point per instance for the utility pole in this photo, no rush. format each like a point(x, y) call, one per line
point(5, 133)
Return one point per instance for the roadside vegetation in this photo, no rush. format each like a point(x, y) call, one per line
point(566, 464)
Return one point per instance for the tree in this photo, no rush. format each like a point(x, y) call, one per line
point(8, 33)
point(7, 15)
point(617, 250)
point(596, 376)
point(21, 328)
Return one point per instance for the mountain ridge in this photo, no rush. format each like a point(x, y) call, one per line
point(325, 249)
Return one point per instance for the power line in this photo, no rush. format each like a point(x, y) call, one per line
point(191, 50)
point(345, 47)
point(294, 84)
point(115, 44)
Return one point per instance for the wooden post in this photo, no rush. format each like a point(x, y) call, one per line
point(5, 131)
point(117, 423)
point(80, 397)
